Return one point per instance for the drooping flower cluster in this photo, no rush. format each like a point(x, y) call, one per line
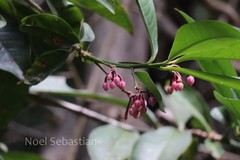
point(138, 105)
point(177, 84)
point(113, 79)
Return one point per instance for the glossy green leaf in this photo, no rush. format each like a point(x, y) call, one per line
point(150, 20)
point(183, 108)
point(86, 33)
point(219, 48)
point(13, 97)
point(145, 78)
point(21, 155)
point(208, 37)
point(109, 4)
point(215, 148)
point(48, 26)
point(233, 105)
point(120, 17)
point(3, 22)
point(45, 65)
point(69, 12)
point(8, 64)
point(14, 51)
point(111, 142)
point(185, 16)
point(166, 143)
point(220, 67)
point(7, 7)
point(232, 82)
point(57, 85)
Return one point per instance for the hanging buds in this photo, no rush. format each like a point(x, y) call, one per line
point(177, 84)
point(113, 79)
point(190, 80)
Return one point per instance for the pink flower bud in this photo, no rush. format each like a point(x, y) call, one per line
point(190, 80)
point(152, 101)
point(170, 90)
point(174, 85)
point(116, 80)
point(105, 86)
point(109, 76)
point(112, 85)
point(137, 103)
point(122, 84)
point(179, 86)
point(143, 110)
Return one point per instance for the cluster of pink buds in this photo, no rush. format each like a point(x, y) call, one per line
point(138, 105)
point(113, 79)
point(177, 84)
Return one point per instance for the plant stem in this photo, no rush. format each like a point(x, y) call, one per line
point(90, 57)
point(35, 5)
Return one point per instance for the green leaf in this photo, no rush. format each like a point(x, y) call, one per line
point(232, 82)
point(120, 17)
point(111, 143)
point(219, 48)
point(150, 20)
point(54, 29)
point(86, 33)
point(21, 155)
point(45, 65)
point(166, 143)
point(183, 109)
point(109, 4)
point(8, 64)
point(233, 105)
point(3, 22)
point(211, 35)
point(13, 97)
point(185, 16)
point(14, 51)
point(7, 7)
point(57, 85)
point(215, 148)
point(69, 12)
point(220, 67)
point(149, 84)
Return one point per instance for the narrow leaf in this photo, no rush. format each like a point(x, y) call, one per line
point(150, 20)
point(185, 16)
point(109, 4)
point(233, 105)
point(120, 17)
point(203, 33)
point(111, 142)
point(163, 143)
point(149, 84)
point(232, 82)
point(44, 65)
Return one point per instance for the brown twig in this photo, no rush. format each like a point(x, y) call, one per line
point(35, 5)
point(79, 109)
